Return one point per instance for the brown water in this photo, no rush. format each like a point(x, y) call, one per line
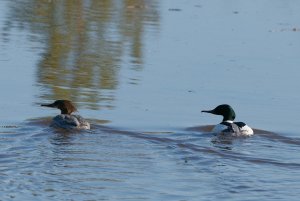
point(141, 72)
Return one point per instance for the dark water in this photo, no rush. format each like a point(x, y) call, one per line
point(141, 72)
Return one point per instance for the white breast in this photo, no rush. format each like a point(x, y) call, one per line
point(247, 131)
point(243, 131)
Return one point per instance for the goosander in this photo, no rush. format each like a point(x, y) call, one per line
point(228, 125)
point(66, 119)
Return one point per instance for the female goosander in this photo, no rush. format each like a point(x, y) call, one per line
point(66, 119)
point(227, 125)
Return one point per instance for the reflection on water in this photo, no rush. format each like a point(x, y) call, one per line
point(84, 44)
point(85, 51)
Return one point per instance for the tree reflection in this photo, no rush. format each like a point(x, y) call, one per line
point(85, 44)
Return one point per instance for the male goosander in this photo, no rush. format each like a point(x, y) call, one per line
point(227, 125)
point(66, 119)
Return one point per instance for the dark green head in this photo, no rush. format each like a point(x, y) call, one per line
point(225, 110)
point(65, 106)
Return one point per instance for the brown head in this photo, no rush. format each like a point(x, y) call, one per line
point(65, 106)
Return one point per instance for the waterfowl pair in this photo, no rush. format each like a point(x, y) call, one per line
point(228, 125)
point(66, 119)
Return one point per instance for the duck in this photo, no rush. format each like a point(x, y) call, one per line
point(228, 125)
point(66, 119)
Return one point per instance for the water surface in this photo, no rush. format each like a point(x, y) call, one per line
point(141, 72)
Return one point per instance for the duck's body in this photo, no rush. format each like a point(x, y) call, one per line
point(67, 120)
point(228, 126)
point(235, 128)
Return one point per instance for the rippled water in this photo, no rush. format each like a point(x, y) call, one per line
point(141, 72)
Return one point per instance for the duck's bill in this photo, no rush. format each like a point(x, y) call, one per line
point(207, 111)
point(48, 105)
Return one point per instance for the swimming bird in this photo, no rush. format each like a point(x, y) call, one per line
point(228, 125)
point(66, 119)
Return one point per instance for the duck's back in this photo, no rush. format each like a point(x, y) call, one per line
point(68, 121)
point(233, 128)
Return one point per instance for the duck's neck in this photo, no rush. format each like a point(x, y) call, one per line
point(228, 121)
point(228, 118)
point(65, 111)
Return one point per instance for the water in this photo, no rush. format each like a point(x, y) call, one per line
point(141, 72)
